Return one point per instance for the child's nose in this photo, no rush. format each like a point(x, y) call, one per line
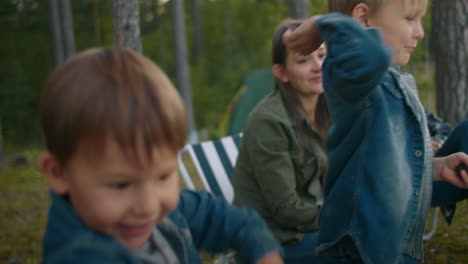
point(146, 203)
point(419, 31)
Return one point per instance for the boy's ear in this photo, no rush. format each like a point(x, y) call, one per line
point(278, 71)
point(52, 170)
point(361, 13)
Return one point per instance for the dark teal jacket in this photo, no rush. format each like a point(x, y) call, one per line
point(204, 223)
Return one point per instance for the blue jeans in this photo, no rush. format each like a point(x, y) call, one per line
point(304, 252)
point(443, 192)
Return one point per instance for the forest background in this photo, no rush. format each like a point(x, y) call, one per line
point(235, 40)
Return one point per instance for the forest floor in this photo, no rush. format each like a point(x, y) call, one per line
point(25, 200)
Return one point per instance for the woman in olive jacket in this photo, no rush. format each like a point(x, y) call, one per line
point(282, 158)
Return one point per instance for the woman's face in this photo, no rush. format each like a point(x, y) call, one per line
point(304, 73)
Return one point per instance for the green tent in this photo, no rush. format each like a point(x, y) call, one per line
point(252, 89)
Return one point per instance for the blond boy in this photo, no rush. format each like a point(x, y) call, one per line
point(378, 188)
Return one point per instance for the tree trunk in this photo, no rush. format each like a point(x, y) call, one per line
point(195, 4)
point(298, 8)
point(55, 32)
point(126, 24)
point(450, 43)
point(182, 65)
point(68, 35)
point(61, 30)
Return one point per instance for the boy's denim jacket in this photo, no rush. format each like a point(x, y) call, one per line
point(378, 187)
point(203, 222)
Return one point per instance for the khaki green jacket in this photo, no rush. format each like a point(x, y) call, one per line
point(275, 176)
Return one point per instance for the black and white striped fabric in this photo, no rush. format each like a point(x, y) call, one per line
point(214, 161)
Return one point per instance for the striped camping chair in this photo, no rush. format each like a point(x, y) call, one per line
point(214, 161)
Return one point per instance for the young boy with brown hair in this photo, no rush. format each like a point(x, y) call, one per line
point(113, 124)
point(379, 184)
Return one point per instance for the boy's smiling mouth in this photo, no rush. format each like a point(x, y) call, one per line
point(135, 230)
point(410, 48)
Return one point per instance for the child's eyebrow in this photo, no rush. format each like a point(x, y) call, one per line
point(416, 6)
point(117, 175)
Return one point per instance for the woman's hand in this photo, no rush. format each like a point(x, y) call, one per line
point(453, 169)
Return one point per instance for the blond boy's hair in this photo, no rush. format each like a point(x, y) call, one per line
point(111, 92)
point(347, 6)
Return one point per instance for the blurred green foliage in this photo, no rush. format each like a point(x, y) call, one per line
point(25, 59)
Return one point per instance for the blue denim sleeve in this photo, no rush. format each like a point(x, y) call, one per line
point(357, 58)
point(217, 226)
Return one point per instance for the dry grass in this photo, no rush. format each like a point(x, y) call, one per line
point(24, 202)
point(449, 245)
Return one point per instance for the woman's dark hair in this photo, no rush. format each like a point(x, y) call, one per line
point(292, 103)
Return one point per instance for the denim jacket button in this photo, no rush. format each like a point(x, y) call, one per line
point(416, 193)
point(418, 153)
